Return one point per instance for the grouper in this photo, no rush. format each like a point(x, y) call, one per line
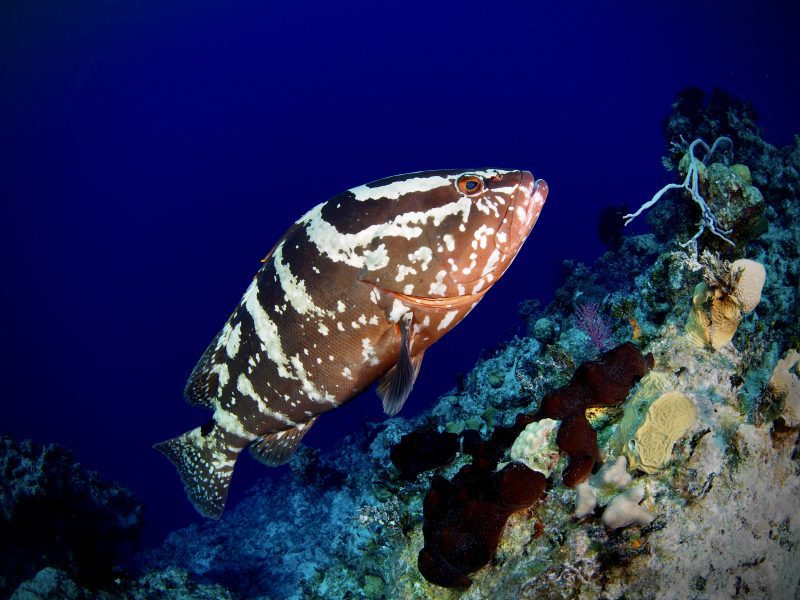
point(353, 293)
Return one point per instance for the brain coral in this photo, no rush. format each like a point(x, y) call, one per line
point(647, 440)
point(751, 282)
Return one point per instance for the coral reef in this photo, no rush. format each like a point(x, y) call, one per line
point(712, 515)
point(463, 518)
point(304, 532)
point(171, 584)
point(53, 513)
point(69, 535)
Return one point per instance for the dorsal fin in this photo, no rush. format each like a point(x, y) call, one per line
point(201, 387)
point(275, 449)
point(396, 385)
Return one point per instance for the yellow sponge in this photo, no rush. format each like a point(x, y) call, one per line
point(715, 314)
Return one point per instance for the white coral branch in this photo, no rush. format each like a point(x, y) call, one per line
point(690, 184)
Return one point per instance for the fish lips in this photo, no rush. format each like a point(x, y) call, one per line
point(522, 214)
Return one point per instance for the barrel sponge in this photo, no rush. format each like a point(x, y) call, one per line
point(785, 382)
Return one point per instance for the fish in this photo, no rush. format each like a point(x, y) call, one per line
point(355, 292)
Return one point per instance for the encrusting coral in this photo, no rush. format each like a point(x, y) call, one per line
point(667, 420)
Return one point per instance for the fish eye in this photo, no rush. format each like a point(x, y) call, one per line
point(470, 185)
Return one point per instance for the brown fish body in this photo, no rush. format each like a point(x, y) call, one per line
point(354, 292)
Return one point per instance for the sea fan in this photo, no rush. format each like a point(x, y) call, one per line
point(592, 323)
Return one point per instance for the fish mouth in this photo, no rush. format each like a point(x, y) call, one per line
point(522, 213)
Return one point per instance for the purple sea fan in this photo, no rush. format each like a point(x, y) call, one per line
point(592, 323)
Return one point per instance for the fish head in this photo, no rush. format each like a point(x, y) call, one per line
point(504, 208)
point(450, 235)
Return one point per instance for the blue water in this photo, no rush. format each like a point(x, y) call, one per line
point(151, 153)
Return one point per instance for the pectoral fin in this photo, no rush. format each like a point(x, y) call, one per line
point(395, 386)
point(277, 448)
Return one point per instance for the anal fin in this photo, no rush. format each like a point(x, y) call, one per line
point(396, 385)
point(275, 449)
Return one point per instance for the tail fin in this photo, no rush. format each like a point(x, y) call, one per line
point(205, 464)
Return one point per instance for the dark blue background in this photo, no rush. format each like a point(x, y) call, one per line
point(151, 153)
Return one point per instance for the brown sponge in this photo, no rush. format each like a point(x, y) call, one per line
point(464, 518)
point(606, 381)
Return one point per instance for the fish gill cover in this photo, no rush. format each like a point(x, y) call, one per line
point(151, 154)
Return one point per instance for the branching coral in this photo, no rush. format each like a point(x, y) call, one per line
point(624, 510)
point(691, 185)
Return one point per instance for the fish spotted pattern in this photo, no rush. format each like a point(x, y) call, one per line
point(354, 292)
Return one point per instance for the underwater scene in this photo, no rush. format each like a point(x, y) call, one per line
point(262, 334)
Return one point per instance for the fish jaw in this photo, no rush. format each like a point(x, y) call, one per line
point(522, 214)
